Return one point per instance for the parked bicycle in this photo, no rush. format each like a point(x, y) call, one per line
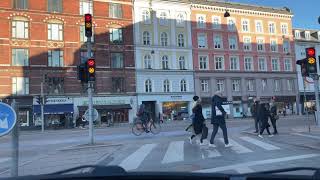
point(139, 127)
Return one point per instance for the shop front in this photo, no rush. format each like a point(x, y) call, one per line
point(118, 109)
point(58, 113)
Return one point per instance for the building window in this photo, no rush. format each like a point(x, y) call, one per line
point(275, 64)
point(55, 58)
point(233, 43)
point(148, 86)
point(284, 29)
point(20, 57)
point(276, 85)
point(164, 39)
point(20, 29)
point(297, 34)
point(201, 21)
point(84, 55)
point(86, 7)
point(147, 62)
point(247, 43)
point(250, 85)
point(20, 86)
point(202, 41)
point(262, 64)
point(307, 35)
point(259, 27)
point(165, 62)
point(183, 86)
point(216, 22)
point(20, 4)
point(290, 84)
point(83, 37)
point(182, 63)
point(219, 62)
point(55, 32)
point(234, 63)
point(146, 18)
point(117, 60)
point(146, 38)
point(180, 20)
point(217, 42)
point(118, 84)
point(272, 28)
point(220, 85)
point(236, 85)
point(231, 24)
point(245, 26)
point(287, 65)
point(55, 6)
point(166, 86)
point(55, 85)
point(203, 62)
point(286, 46)
point(204, 85)
point(264, 84)
point(116, 36)
point(180, 40)
point(248, 64)
point(260, 44)
point(163, 19)
point(274, 46)
point(115, 10)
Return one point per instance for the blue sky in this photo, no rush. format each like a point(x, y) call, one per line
point(305, 11)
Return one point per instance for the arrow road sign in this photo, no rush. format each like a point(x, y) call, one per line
point(8, 119)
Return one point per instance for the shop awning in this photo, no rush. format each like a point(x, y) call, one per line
point(53, 108)
point(106, 107)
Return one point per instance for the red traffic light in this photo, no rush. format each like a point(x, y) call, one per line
point(311, 52)
point(91, 62)
point(87, 17)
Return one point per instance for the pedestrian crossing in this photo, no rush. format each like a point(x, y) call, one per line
point(182, 151)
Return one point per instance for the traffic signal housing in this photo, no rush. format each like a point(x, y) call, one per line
point(82, 74)
point(311, 60)
point(39, 99)
point(91, 69)
point(304, 67)
point(88, 25)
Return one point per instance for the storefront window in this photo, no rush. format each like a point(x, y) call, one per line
point(175, 110)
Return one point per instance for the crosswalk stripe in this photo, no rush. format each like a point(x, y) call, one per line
point(4, 160)
point(175, 152)
point(261, 144)
point(135, 159)
point(238, 148)
point(210, 153)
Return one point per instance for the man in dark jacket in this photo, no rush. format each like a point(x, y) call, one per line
point(218, 119)
point(254, 111)
point(273, 114)
point(263, 116)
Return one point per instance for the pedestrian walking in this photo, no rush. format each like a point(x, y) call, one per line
point(263, 116)
point(218, 119)
point(197, 120)
point(273, 116)
point(254, 110)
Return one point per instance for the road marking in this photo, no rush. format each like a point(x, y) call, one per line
point(244, 169)
point(238, 148)
point(135, 159)
point(210, 153)
point(254, 163)
point(175, 152)
point(261, 144)
point(4, 160)
point(305, 135)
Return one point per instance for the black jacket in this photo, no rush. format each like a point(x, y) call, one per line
point(217, 102)
point(254, 109)
point(263, 113)
point(198, 119)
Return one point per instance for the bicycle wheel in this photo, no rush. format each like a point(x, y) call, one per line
point(155, 127)
point(137, 128)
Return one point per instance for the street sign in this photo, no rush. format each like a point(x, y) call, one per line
point(8, 119)
point(95, 114)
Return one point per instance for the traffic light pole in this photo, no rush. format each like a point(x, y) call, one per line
point(42, 107)
point(90, 86)
point(316, 88)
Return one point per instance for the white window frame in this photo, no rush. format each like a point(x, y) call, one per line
point(51, 32)
point(164, 39)
point(183, 86)
point(234, 26)
point(165, 62)
point(220, 84)
point(146, 16)
point(286, 49)
point(232, 63)
point(250, 85)
point(180, 21)
point(201, 24)
point(236, 42)
point(307, 35)
point(15, 59)
point(205, 62)
point(288, 63)
point(276, 45)
point(20, 32)
point(147, 61)
point(243, 25)
point(264, 60)
point(247, 44)
point(219, 62)
point(148, 86)
point(51, 59)
point(235, 85)
point(256, 26)
point(290, 84)
point(146, 38)
point(166, 86)
point(163, 18)
point(204, 85)
point(251, 63)
point(180, 40)
point(273, 64)
point(182, 63)
point(218, 45)
point(277, 88)
point(297, 34)
point(85, 11)
point(214, 24)
point(205, 40)
point(261, 44)
point(274, 30)
point(20, 85)
point(284, 28)
point(264, 85)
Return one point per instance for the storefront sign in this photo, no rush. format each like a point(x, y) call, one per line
point(105, 102)
point(55, 101)
point(176, 97)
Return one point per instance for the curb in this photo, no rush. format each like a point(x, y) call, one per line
point(87, 146)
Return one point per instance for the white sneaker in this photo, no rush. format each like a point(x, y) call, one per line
point(260, 136)
point(227, 145)
point(212, 145)
point(190, 140)
point(270, 135)
point(202, 144)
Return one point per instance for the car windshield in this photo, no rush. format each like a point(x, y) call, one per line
point(226, 86)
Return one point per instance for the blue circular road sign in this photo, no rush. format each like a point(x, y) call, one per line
point(8, 119)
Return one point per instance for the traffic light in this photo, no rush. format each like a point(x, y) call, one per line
point(88, 25)
point(311, 61)
point(91, 69)
point(304, 67)
point(82, 74)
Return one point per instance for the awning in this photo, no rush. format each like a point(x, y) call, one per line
point(53, 108)
point(106, 107)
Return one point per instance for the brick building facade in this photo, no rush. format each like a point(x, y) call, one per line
point(44, 41)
